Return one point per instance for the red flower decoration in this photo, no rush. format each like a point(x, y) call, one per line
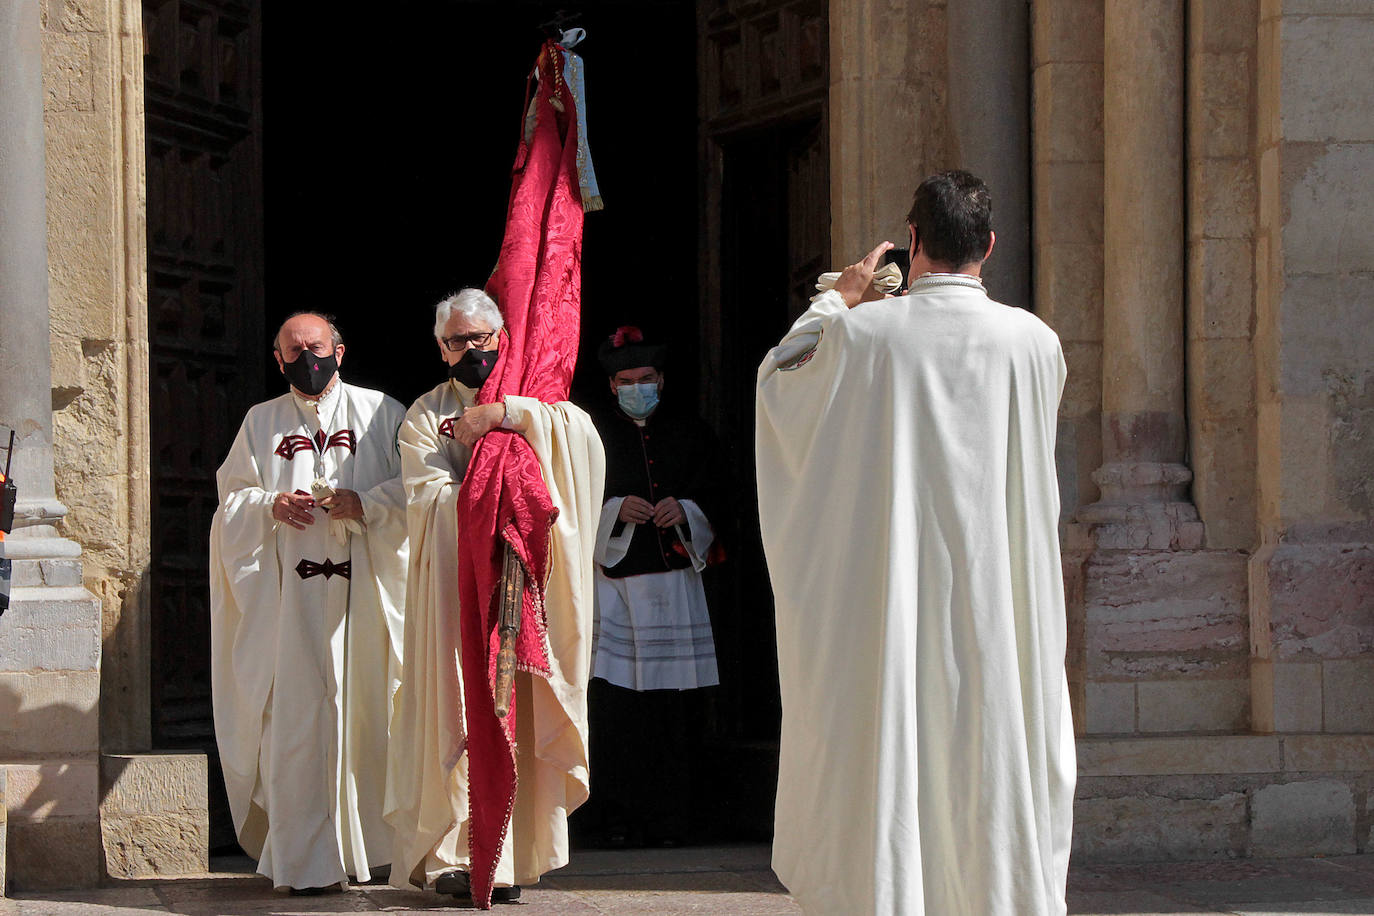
point(627, 334)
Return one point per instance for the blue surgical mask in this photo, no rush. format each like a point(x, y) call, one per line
point(638, 400)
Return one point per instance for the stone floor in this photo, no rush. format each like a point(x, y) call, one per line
point(736, 881)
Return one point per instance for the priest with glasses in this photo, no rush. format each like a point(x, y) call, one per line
point(429, 766)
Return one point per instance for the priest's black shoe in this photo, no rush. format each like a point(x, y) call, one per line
point(380, 875)
point(458, 884)
point(316, 891)
point(454, 883)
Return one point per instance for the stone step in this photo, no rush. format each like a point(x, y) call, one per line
point(55, 571)
point(53, 840)
point(154, 815)
point(1179, 798)
point(50, 628)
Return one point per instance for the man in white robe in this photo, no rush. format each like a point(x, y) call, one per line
point(909, 511)
point(307, 588)
point(428, 791)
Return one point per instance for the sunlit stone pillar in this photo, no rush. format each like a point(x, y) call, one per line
point(1143, 480)
point(50, 636)
point(989, 99)
point(25, 386)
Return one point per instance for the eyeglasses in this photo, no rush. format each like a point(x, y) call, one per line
point(460, 342)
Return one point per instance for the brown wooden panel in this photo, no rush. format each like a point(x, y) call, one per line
point(765, 235)
point(204, 168)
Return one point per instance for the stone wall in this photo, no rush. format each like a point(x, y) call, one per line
point(1312, 581)
point(1067, 178)
point(1222, 189)
point(93, 113)
point(154, 820)
point(4, 827)
point(1223, 797)
point(889, 124)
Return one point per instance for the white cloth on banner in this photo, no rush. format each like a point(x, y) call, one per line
point(653, 631)
point(909, 513)
point(427, 801)
point(305, 656)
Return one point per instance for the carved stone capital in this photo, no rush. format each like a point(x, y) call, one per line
point(1134, 482)
point(1144, 506)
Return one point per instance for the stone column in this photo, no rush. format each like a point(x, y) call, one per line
point(1144, 483)
point(25, 387)
point(50, 636)
point(989, 105)
point(888, 118)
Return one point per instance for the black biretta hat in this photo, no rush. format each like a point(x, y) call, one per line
point(626, 349)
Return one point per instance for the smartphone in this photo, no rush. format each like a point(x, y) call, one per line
point(902, 258)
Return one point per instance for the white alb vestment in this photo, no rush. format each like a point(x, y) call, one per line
point(306, 634)
point(653, 630)
point(909, 509)
point(427, 779)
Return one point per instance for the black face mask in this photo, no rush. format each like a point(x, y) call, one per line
point(309, 374)
point(472, 370)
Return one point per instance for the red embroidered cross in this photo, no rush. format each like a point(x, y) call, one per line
point(292, 445)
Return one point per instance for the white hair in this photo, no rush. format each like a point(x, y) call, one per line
point(472, 303)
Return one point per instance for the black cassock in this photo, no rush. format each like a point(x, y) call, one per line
point(642, 741)
point(675, 453)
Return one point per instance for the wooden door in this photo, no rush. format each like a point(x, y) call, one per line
point(765, 235)
point(207, 341)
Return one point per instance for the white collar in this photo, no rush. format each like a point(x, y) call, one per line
point(931, 279)
point(466, 396)
point(324, 406)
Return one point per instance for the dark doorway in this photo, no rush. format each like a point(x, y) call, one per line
point(765, 235)
point(300, 157)
point(306, 157)
point(205, 328)
point(774, 238)
point(389, 144)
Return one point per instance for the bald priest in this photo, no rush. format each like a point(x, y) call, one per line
point(307, 590)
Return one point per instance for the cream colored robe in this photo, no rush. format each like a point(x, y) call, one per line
point(428, 801)
point(909, 507)
point(303, 669)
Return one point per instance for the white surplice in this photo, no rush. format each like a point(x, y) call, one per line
point(909, 510)
point(305, 659)
point(653, 630)
point(427, 778)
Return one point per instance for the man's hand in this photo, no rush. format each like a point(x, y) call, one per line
point(343, 505)
point(294, 509)
point(477, 421)
point(855, 284)
point(668, 512)
point(635, 510)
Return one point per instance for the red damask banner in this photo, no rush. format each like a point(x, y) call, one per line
point(538, 285)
